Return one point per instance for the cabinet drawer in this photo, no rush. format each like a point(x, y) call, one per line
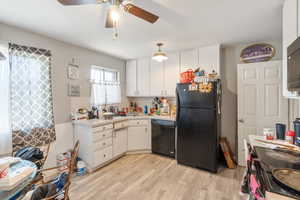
point(119, 125)
point(141, 122)
point(102, 128)
point(102, 144)
point(102, 135)
point(103, 155)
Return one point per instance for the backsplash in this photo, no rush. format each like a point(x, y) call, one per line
point(142, 101)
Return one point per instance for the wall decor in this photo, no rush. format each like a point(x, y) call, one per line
point(73, 90)
point(73, 71)
point(257, 53)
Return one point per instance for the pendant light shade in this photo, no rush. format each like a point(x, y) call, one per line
point(2, 57)
point(159, 56)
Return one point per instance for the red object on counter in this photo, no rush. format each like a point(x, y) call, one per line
point(290, 135)
point(187, 76)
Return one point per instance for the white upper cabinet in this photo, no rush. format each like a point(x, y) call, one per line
point(290, 33)
point(171, 75)
point(131, 77)
point(209, 58)
point(147, 78)
point(156, 78)
point(189, 60)
point(143, 78)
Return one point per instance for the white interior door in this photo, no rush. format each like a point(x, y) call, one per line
point(260, 101)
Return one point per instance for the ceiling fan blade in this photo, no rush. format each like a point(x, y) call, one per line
point(79, 2)
point(140, 13)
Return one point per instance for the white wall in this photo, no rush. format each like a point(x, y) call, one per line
point(62, 55)
point(229, 60)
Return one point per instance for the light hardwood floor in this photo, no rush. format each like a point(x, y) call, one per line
point(152, 177)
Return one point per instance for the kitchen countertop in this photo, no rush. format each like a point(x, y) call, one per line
point(100, 122)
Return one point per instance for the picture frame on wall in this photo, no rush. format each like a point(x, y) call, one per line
point(73, 90)
point(73, 72)
point(260, 52)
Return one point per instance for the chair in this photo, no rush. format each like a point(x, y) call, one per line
point(71, 167)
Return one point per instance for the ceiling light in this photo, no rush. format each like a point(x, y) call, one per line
point(114, 13)
point(2, 57)
point(159, 56)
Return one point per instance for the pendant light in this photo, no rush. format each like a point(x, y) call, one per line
point(2, 57)
point(159, 56)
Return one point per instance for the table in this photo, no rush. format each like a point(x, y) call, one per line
point(7, 195)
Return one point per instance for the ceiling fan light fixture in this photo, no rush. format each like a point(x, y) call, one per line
point(159, 56)
point(114, 13)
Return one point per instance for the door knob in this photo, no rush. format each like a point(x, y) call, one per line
point(241, 121)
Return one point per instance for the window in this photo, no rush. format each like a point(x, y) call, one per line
point(105, 86)
point(5, 133)
point(31, 108)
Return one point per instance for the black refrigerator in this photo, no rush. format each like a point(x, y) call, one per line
point(198, 125)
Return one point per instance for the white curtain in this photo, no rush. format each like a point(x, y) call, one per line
point(98, 94)
point(113, 93)
point(5, 131)
point(105, 86)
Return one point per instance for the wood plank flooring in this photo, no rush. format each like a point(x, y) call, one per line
point(153, 177)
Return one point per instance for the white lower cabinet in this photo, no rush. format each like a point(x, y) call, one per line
point(100, 144)
point(119, 142)
point(139, 138)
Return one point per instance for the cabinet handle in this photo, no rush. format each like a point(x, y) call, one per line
point(138, 122)
point(104, 155)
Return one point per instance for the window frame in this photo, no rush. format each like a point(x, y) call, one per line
point(104, 82)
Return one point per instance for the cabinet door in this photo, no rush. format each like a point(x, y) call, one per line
point(143, 78)
point(139, 138)
point(209, 58)
point(157, 78)
point(131, 77)
point(119, 142)
point(189, 59)
point(289, 34)
point(171, 76)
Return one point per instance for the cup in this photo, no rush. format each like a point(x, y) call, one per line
point(280, 131)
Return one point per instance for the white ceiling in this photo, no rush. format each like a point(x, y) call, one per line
point(183, 24)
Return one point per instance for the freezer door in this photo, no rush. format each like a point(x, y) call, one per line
point(196, 99)
point(197, 139)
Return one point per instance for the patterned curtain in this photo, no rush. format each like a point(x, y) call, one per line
point(32, 118)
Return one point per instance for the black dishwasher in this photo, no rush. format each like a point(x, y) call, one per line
point(163, 137)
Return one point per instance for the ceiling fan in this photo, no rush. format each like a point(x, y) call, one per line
point(113, 12)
